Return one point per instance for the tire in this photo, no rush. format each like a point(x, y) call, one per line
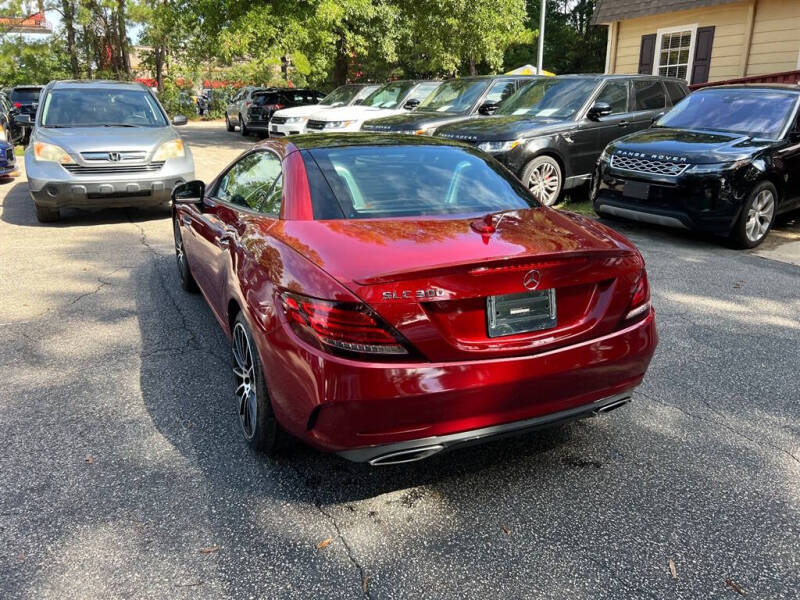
point(757, 218)
point(184, 272)
point(228, 124)
point(545, 180)
point(45, 214)
point(258, 423)
point(242, 127)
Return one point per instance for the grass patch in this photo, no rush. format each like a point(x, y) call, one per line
point(578, 202)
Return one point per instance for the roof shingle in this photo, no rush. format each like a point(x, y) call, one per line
point(609, 11)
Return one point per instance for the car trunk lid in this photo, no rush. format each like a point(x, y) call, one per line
point(439, 281)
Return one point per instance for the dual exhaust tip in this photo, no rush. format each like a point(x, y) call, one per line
point(400, 457)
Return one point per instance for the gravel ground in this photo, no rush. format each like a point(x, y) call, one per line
point(123, 474)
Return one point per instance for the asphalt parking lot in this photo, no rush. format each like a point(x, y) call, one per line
point(123, 473)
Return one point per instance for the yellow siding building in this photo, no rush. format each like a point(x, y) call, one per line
point(701, 40)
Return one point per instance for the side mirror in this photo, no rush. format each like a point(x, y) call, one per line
point(488, 108)
point(191, 192)
point(411, 104)
point(359, 101)
point(599, 109)
point(24, 120)
point(179, 120)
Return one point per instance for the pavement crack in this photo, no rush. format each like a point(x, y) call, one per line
point(192, 343)
point(339, 533)
point(723, 423)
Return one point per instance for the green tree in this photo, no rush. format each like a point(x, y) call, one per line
point(24, 61)
point(571, 43)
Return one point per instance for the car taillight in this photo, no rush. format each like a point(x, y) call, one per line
point(17, 105)
point(640, 302)
point(347, 328)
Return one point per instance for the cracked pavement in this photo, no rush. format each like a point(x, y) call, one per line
point(121, 456)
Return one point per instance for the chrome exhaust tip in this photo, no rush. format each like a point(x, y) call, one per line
point(612, 406)
point(406, 456)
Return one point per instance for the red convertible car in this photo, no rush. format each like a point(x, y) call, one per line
point(389, 297)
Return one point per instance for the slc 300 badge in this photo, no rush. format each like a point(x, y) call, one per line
point(407, 294)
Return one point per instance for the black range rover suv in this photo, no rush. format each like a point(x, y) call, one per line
point(726, 160)
point(550, 132)
point(452, 101)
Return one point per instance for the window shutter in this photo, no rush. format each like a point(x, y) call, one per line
point(702, 54)
point(647, 54)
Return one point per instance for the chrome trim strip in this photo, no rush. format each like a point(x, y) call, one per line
point(391, 453)
point(644, 217)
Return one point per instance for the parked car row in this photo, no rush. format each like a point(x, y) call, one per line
point(558, 133)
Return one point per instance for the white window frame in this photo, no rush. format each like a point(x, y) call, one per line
point(666, 30)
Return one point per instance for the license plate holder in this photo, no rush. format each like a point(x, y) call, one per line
point(511, 314)
point(637, 190)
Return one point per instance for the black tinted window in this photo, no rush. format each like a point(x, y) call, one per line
point(499, 91)
point(615, 93)
point(250, 182)
point(25, 95)
point(676, 91)
point(412, 181)
point(757, 113)
point(269, 98)
point(649, 94)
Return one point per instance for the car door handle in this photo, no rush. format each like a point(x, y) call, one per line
point(623, 123)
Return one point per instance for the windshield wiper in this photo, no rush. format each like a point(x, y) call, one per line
point(119, 125)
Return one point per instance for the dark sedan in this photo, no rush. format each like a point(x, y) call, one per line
point(726, 161)
point(25, 99)
point(551, 131)
point(452, 101)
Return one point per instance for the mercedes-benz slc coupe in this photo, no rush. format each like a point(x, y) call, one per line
point(726, 160)
point(389, 297)
point(99, 144)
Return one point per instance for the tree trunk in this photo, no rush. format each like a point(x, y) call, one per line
point(158, 60)
point(68, 8)
point(125, 59)
point(342, 61)
point(472, 69)
point(87, 51)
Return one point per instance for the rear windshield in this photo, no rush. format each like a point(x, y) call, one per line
point(755, 113)
point(410, 181)
point(549, 97)
point(271, 98)
point(101, 108)
point(25, 94)
point(456, 96)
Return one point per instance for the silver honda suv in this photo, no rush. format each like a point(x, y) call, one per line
point(99, 144)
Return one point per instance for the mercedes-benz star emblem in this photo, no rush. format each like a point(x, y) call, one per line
point(531, 279)
point(114, 156)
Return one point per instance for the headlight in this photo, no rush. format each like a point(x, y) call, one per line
point(295, 119)
point(338, 124)
point(51, 153)
point(170, 149)
point(605, 155)
point(717, 167)
point(499, 146)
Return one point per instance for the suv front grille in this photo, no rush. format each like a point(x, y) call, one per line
point(98, 170)
point(318, 125)
point(650, 167)
point(278, 120)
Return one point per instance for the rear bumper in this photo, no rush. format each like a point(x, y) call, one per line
point(257, 126)
point(418, 449)
point(367, 410)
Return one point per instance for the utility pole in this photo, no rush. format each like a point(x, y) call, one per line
point(541, 38)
